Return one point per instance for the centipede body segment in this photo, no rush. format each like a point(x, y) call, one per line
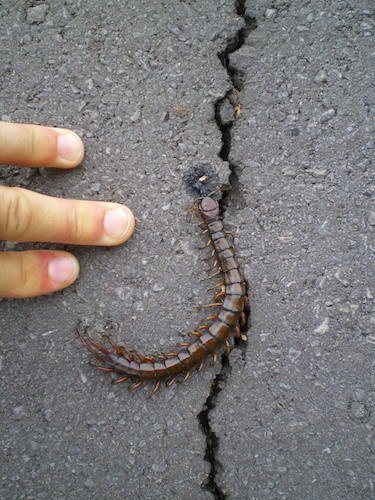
point(210, 338)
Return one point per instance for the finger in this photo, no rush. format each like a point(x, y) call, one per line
point(29, 216)
point(36, 272)
point(36, 146)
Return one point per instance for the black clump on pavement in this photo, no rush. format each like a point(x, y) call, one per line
point(202, 180)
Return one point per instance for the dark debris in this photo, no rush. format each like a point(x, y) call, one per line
point(202, 180)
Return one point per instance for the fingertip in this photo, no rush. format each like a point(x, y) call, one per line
point(36, 272)
point(39, 146)
point(118, 225)
point(62, 270)
point(70, 149)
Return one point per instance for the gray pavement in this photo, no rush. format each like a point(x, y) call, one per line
point(290, 416)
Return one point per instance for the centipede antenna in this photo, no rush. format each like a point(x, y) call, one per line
point(217, 190)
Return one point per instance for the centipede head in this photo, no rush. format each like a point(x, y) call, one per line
point(209, 208)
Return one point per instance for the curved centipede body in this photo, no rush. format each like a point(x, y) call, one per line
point(210, 339)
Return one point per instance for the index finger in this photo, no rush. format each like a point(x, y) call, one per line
point(28, 145)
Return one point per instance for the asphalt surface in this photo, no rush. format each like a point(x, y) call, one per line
point(292, 414)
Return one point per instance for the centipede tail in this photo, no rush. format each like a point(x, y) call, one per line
point(229, 305)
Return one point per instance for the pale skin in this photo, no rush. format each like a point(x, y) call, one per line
point(27, 216)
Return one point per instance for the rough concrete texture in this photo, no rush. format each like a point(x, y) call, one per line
point(139, 81)
point(296, 416)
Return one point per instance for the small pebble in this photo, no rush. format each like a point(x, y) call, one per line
point(36, 14)
point(158, 467)
point(74, 450)
point(321, 77)
point(328, 115)
point(136, 115)
point(271, 14)
point(323, 328)
point(89, 483)
point(18, 412)
point(371, 219)
point(357, 411)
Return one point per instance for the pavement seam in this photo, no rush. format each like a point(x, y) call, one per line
point(233, 44)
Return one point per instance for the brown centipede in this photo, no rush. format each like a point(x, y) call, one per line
point(209, 338)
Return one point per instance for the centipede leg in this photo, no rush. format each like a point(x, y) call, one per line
point(196, 334)
point(136, 385)
point(121, 379)
point(212, 318)
point(184, 344)
point(218, 285)
point(155, 388)
point(212, 275)
point(103, 368)
point(203, 327)
point(216, 304)
point(237, 333)
point(119, 351)
point(170, 382)
point(100, 357)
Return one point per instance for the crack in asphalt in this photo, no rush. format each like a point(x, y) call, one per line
point(236, 76)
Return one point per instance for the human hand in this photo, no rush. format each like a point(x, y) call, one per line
point(29, 216)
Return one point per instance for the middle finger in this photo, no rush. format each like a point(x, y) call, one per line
point(30, 216)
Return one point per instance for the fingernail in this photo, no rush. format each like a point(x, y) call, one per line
point(116, 222)
point(62, 269)
point(69, 146)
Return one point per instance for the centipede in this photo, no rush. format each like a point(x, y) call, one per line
point(208, 340)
